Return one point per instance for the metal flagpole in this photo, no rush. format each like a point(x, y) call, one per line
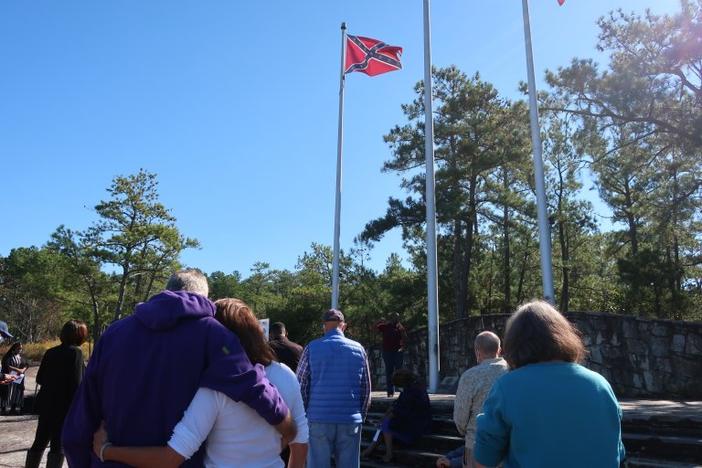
point(339, 146)
point(544, 227)
point(432, 284)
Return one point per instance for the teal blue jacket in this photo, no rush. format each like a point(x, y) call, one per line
point(551, 414)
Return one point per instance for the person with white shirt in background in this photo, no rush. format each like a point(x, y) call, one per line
point(236, 435)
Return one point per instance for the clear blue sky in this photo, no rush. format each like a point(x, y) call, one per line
point(234, 105)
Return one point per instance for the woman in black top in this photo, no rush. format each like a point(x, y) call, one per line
point(12, 396)
point(59, 375)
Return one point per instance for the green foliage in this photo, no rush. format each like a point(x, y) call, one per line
point(121, 259)
point(640, 122)
point(31, 282)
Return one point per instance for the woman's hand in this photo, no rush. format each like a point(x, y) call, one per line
point(99, 438)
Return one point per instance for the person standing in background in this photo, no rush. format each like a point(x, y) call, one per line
point(60, 373)
point(286, 351)
point(335, 383)
point(394, 337)
point(12, 363)
point(4, 332)
point(5, 379)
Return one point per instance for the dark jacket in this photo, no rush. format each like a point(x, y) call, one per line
point(286, 351)
point(146, 369)
point(411, 412)
point(59, 375)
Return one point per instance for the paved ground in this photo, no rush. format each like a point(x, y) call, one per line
point(18, 431)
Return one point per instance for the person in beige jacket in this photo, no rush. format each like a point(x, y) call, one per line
point(474, 386)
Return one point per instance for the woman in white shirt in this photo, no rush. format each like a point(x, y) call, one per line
point(236, 435)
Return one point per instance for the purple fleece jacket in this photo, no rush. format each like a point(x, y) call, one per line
point(147, 367)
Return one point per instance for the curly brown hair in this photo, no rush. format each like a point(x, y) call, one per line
point(537, 332)
point(237, 316)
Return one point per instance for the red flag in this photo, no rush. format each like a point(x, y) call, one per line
point(371, 56)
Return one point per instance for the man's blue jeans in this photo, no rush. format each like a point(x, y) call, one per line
point(341, 440)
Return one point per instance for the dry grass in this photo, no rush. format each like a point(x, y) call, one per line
point(33, 352)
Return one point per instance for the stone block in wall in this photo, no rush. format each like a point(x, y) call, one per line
point(644, 327)
point(663, 364)
point(659, 346)
point(637, 381)
point(661, 329)
point(612, 352)
point(693, 344)
point(600, 338)
point(636, 346)
point(653, 384)
point(629, 328)
point(596, 355)
point(678, 345)
point(689, 368)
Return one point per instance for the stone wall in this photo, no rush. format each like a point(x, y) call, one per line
point(640, 358)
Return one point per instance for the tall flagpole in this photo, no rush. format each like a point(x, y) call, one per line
point(542, 214)
point(337, 205)
point(432, 283)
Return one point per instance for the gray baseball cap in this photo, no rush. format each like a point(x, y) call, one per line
point(4, 331)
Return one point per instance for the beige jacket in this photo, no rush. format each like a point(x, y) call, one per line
point(473, 389)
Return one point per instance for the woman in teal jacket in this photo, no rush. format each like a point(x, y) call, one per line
point(549, 411)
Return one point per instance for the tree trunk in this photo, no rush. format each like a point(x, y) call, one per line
point(459, 303)
point(631, 221)
point(122, 290)
point(467, 251)
point(506, 270)
point(522, 273)
point(565, 259)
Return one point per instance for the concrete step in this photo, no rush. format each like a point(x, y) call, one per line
point(673, 448)
point(402, 457)
point(434, 443)
point(636, 462)
point(441, 424)
point(379, 464)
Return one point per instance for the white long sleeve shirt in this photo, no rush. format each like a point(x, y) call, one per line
point(236, 435)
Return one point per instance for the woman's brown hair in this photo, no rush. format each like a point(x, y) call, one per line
point(537, 332)
point(74, 333)
point(238, 317)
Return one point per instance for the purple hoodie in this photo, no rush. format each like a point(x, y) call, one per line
point(147, 367)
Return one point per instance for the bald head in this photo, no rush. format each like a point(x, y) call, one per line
point(487, 345)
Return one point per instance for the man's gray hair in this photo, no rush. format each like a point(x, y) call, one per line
point(190, 280)
point(488, 343)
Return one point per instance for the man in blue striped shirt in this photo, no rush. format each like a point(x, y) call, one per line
point(335, 385)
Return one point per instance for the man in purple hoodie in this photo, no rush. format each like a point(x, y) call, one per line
point(147, 367)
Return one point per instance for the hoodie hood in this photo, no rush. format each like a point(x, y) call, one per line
point(169, 308)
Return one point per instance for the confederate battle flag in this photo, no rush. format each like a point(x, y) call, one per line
point(371, 56)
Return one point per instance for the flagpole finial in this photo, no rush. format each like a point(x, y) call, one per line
point(343, 26)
